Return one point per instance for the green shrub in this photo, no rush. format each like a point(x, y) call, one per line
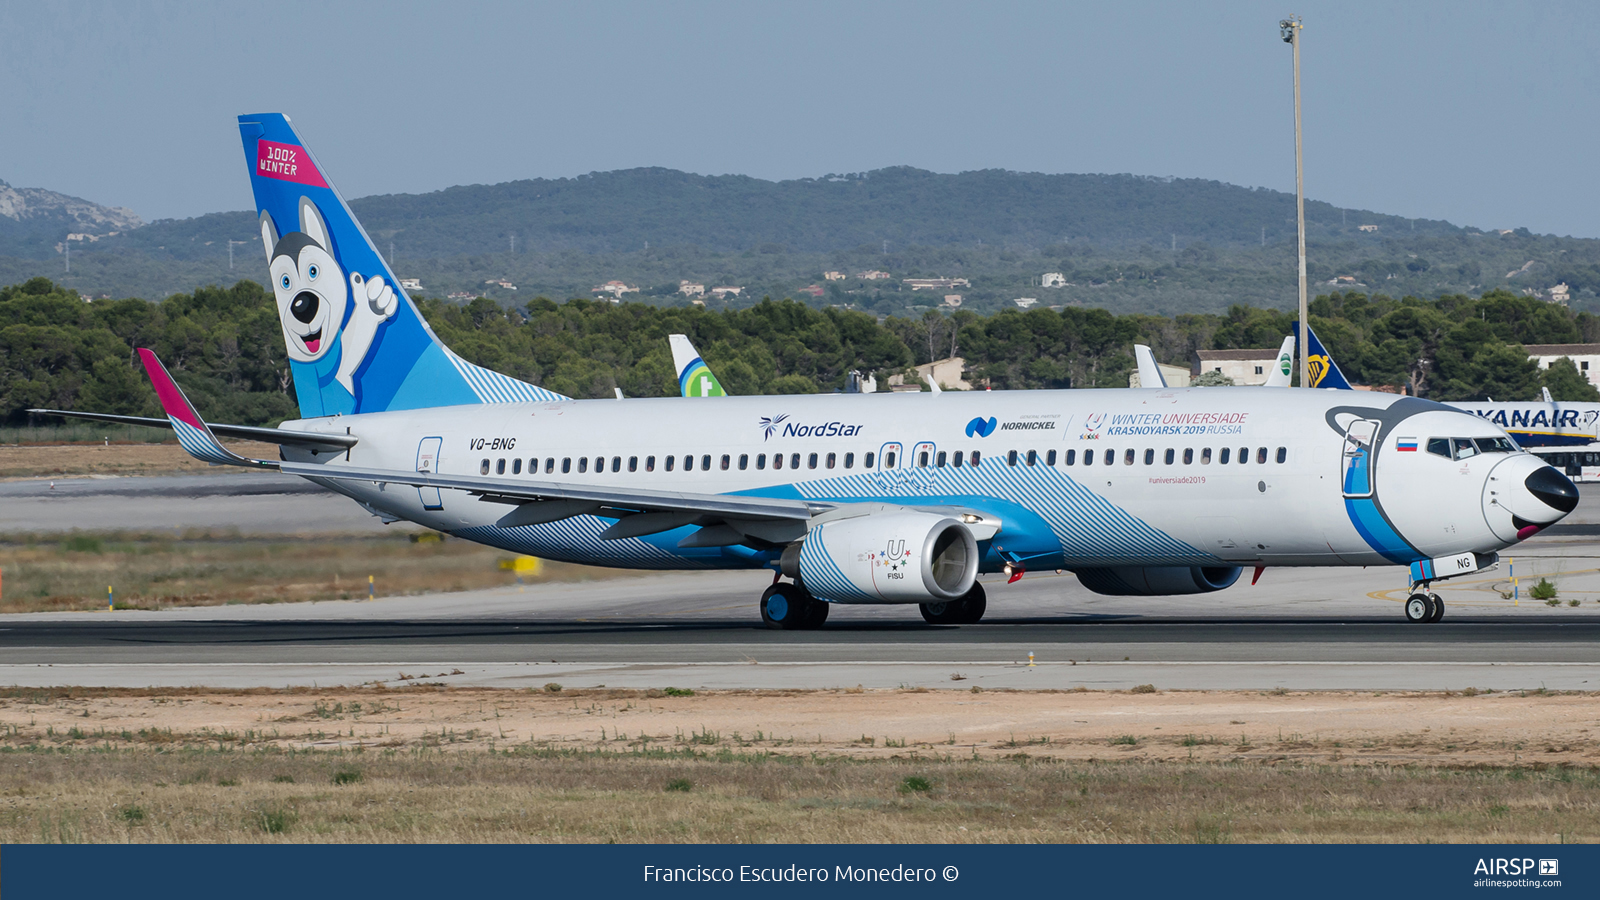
point(915, 784)
point(347, 776)
point(682, 785)
point(552, 687)
point(677, 692)
point(1544, 590)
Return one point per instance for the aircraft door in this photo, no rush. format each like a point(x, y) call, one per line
point(1359, 440)
point(428, 463)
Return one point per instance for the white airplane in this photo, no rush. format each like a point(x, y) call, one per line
point(857, 499)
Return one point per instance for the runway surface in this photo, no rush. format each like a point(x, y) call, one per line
point(1299, 629)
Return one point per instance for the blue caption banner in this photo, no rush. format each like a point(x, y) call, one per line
point(275, 871)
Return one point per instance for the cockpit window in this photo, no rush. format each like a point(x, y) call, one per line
point(1464, 448)
point(1439, 447)
point(1495, 445)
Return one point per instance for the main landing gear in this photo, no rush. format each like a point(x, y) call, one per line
point(966, 611)
point(791, 607)
point(1424, 606)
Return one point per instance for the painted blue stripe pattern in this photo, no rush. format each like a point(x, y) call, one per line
point(1376, 531)
point(578, 540)
point(492, 387)
point(821, 575)
point(1087, 525)
point(200, 444)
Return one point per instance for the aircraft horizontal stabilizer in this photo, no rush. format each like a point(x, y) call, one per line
point(282, 436)
point(192, 431)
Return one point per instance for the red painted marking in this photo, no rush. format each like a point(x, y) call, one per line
point(287, 162)
point(172, 400)
point(1016, 574)
point(1257, 576)
point(1528, 531)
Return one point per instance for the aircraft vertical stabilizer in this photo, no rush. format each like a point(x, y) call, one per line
point(1283, 369)
point(356, 342)
point(694, 376)
point(1324, 371)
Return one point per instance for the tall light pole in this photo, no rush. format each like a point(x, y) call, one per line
point(1290, 30)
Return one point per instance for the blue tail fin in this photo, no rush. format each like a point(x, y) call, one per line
point(1324, 371)
point(356, 342)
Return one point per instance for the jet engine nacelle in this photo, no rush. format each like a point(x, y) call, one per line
point(890, 556)
point(1149, 581)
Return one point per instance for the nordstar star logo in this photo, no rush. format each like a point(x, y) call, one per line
point(769, 425)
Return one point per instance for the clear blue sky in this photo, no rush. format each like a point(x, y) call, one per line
point(1480, 113)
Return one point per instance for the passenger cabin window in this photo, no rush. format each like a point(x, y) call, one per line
point(1244, 455)
point(1127, 457)
point(866, 461)
point(833, 460)
point(500, 467)
point(616, 463)
point(1223, 459)
point(1261, 455)
point(1205, 456)
point(1188, 456)
point(1011, 458)
point(649, 463)
point(761, 460)
point(1111, 457)
point(941, 459)
point(888, 459)
point(922, 460)
point(811, 461)
point(777, 460)
point(1283, 455)
point(977, 457)
point(566, 465)
point(727, 461)
point(794, 461)
point(549, 464)
point(483, 467)
point(744, 461)
point(956, 460)
point(633, 464)
point(1149, 457)
point(705, 463)
point(516, 466)
point(1071, 457)
point(1033, 457)
point(1169, 456)
point(670, 460)
point(583, 464)
point(1050, 458)
point(849, 460)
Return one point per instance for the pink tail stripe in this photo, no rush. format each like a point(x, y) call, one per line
point(173, 402)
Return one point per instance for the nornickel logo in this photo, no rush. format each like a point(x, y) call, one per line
point(981, 427)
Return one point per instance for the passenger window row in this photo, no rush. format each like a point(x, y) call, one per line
point(1171, 455)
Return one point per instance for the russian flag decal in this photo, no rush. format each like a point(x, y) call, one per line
point(1406, 444)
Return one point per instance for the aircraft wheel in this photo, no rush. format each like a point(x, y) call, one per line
point(974, 604)
point(787, 607)
point(819, 613)
point(1438, 607)
point(1418, 608)
point(946, 612)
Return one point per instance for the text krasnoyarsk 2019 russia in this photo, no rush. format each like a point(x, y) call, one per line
point(796, 874)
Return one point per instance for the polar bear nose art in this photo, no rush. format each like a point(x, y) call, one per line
point(304, 306)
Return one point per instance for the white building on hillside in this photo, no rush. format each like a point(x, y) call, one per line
point(1243, 366)
point(1585, 356)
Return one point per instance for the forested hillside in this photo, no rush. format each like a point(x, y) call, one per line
point(1125, 243)
point(225, 347)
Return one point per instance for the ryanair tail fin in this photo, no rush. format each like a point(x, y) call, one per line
point(694, 376)
point(1283, 369)
point(356, 342)
point(1324, 371)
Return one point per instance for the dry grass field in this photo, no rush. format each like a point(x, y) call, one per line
point(61, 460)
point(156, 570)
point(436, 764)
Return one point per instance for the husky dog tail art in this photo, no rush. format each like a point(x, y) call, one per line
point(356, 342)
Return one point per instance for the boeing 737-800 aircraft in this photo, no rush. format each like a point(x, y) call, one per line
point(856, 498)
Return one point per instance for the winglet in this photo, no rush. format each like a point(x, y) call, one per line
point(192, 432)
point(1283, 370)
point(1149, 373)
point(694, 376)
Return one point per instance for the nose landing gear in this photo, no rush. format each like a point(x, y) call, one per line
point(1424, 607)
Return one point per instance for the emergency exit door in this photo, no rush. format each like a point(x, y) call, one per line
point(428, 464)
